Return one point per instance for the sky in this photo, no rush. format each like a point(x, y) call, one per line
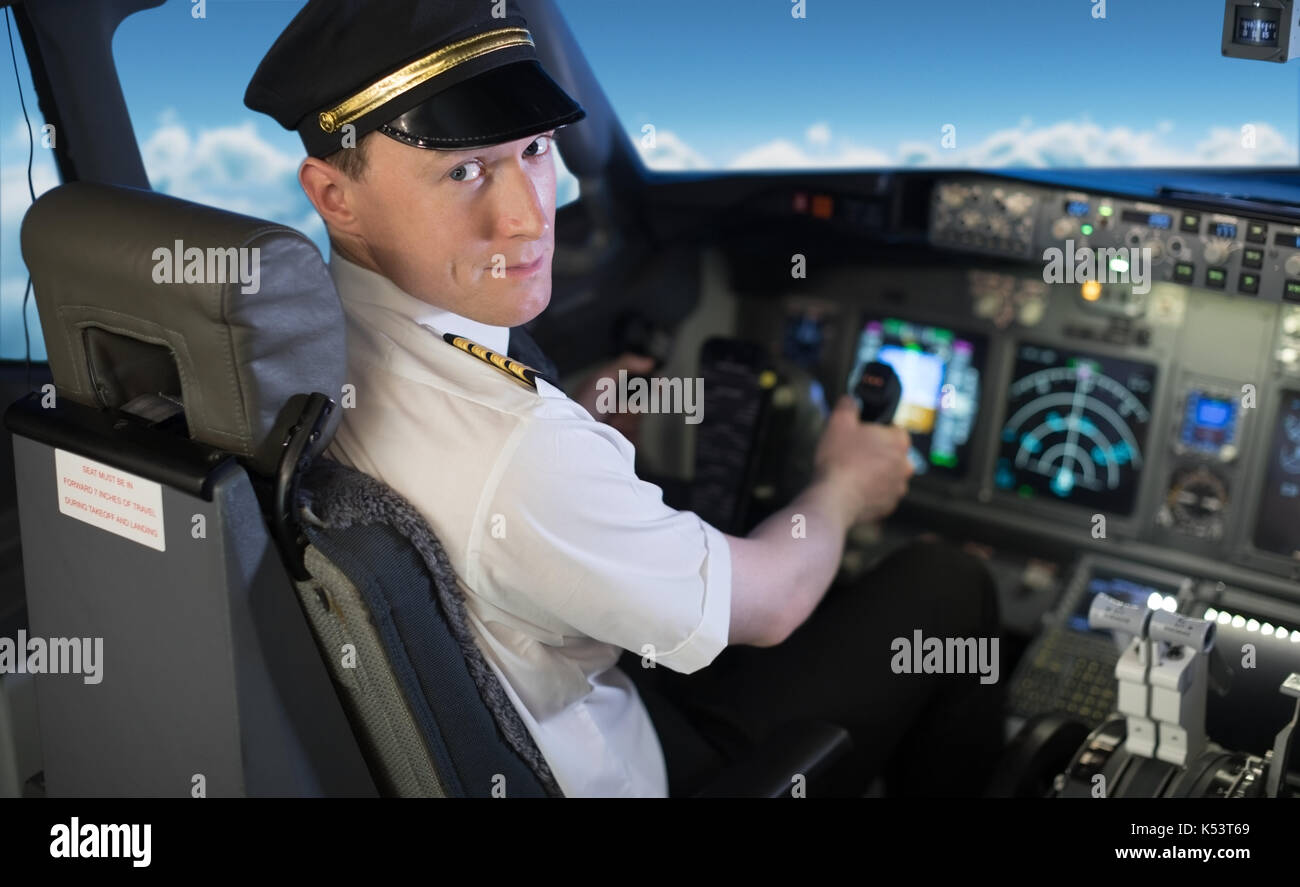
point(735, 84)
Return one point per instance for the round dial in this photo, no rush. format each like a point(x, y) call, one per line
point(1216, 250)
point(1195, 503)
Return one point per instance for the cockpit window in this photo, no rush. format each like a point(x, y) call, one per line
point(184, 80)
point(942, 83)
point(16, 195)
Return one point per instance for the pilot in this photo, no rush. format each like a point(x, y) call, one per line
point(429, 129)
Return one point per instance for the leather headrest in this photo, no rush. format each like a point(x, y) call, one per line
point(144, 294)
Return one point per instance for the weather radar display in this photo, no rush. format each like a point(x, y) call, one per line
point(1075, 429)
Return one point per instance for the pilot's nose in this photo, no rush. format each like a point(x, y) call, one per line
point(520, 211)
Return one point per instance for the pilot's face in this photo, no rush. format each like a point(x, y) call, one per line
point(452, 227)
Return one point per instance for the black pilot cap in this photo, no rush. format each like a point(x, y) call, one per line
point(430, 73)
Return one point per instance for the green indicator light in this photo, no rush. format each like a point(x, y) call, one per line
point(945, 459)
point(1026, 491)
point(1216, 275)
point(1085, 228)
point(1292, 286)
point(1104, 210)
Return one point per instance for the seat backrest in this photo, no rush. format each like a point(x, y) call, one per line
point(195, 354)
point(393, 629)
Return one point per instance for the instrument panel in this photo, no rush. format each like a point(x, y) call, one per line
point(1218, 251)
point(1156, 385)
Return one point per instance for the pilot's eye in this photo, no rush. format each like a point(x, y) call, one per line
point(462, 173)
point(544, 142)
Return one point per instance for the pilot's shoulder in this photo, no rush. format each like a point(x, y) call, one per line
point(465, 371)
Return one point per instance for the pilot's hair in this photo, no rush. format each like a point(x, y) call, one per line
point(351, 161)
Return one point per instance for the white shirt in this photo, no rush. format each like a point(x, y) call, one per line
point(563, 555)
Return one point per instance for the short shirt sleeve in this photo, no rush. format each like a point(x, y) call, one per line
point(587, 540)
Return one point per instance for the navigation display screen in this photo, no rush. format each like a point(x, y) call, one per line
point(1277, 527)
point(1076, 428)
point(940, 371)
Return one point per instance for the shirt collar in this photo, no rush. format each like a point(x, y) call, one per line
point(357, 284)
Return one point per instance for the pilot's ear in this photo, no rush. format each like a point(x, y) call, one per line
point(327, 187)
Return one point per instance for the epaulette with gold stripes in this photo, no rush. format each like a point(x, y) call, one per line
point(520, 372)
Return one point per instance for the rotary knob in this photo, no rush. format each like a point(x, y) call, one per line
point(1216, 251)
point(1293, 266)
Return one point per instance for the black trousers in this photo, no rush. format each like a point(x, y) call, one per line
point(931, 735)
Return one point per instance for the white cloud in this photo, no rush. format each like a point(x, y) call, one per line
point(232, 168)
point(15, 198)
point(1225, 146)
point(670, 152)
point(781, 154)
point(1079, 143)
point(818, 134)
point(228, 157)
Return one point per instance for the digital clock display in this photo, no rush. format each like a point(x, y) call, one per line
point(1225, 229)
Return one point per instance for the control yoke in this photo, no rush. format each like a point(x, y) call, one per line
point(878, 392)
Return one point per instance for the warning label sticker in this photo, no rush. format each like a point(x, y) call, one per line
point(110, 498)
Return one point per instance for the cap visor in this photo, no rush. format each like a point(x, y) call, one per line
point(500, 105)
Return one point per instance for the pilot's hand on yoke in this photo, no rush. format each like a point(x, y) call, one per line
point(865, 463)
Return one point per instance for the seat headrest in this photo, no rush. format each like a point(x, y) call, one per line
point(141, 294)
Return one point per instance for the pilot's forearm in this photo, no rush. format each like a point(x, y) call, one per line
point(782, 569)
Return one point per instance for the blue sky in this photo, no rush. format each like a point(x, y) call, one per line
point(739, 84)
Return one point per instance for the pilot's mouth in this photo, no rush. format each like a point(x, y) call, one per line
point(525, 270)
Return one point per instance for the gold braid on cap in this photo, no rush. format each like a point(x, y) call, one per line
point(437, 62)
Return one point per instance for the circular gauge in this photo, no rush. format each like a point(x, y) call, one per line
point(1195, 503)
point(1076, 427)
